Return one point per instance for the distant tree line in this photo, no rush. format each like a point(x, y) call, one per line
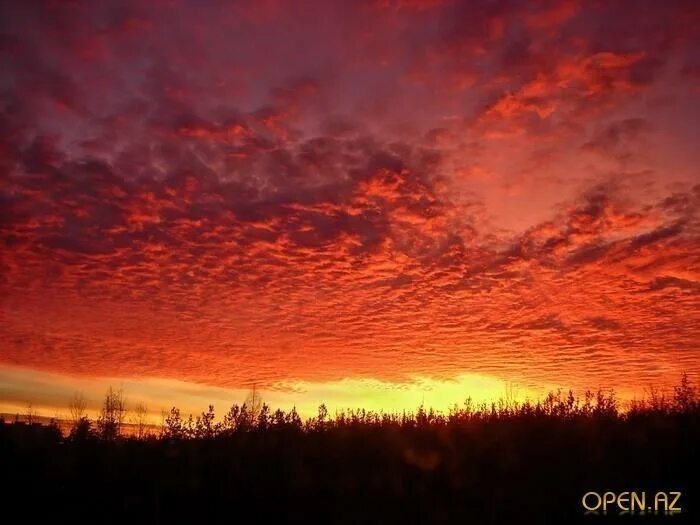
point(253, 415)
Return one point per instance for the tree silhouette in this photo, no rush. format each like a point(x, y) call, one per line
point(684, 395)
point(81, 430)
point(205, 428)
point(174, 428)
point(31, 413)
point(140, 420)
point(80, 426)
point(77, 407)
point(112, 414)
point(253, 403)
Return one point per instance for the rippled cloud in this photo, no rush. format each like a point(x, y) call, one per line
point(236, 193)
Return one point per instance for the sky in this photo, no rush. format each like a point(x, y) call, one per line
point(372, 203)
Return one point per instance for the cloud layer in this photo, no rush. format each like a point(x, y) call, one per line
point(255, 192)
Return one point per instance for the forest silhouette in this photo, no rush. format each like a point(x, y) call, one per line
point(503, 462)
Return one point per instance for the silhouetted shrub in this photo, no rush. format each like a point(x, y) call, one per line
point(81, 430)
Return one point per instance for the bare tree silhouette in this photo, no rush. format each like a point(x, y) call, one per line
point(77, 407)
point(112, 414)
point(140, 420)
point(80, 425)
point(31, 413)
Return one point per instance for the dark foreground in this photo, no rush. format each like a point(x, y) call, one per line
point(521, 467)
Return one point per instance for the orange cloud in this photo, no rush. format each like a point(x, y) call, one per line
point(349, 193)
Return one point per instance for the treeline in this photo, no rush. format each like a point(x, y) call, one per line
point(503, 462)
point(255, 415)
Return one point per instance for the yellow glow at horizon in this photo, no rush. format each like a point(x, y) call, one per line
point(50, 394)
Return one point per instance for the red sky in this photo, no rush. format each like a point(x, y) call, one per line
point(372, 202)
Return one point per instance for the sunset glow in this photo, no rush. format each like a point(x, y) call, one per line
point(374, 204)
